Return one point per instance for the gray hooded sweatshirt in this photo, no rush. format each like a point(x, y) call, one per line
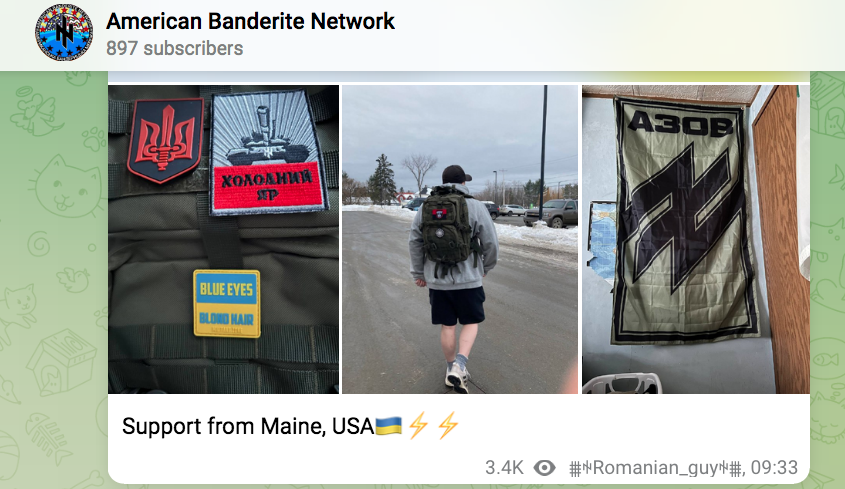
point(464, 276)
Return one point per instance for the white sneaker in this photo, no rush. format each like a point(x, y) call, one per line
point(448, 384)
point(458, 378)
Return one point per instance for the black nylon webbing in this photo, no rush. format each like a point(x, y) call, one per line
point(332, 161)
point(278, 343)
point(206, 122)
point(286, 359)
point(115, 180)
point(120, 116)
point(237, 378)
point(121, 112)
point(325, 104)
point(206, 91)
point(219, 236)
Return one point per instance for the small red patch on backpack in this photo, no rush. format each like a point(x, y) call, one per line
point(438, 213)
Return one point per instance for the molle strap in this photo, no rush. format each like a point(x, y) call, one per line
point(219, 236)
point(476, 250)
point(115, 181)
point(120, 116)
point(206, 120)
point(325, 104)
point(332, 161)
point(206, 91)
point(246, 377)
point(122, 111)
point(124, 184)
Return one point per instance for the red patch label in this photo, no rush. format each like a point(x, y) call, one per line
point(268, 186)
point(438, 213)
point(264, 155)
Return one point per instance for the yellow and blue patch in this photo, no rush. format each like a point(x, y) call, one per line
point(227, 303)
point(388, 426)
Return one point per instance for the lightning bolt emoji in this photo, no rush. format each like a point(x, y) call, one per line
point(448, 424)
point(418, 424)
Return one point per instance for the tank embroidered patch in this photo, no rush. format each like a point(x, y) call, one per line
point(265, 157)
point(227, 303)
point(166, 138)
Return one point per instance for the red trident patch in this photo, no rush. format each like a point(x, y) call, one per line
point(166, 138)
point(438, 213)
point(150, 148)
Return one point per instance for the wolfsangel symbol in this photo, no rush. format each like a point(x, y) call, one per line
point(64, 32)
point(169, 138)
point(686, 228)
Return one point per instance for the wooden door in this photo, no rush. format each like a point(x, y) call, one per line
point(788, 291)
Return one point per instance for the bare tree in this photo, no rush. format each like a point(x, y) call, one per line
point(485, 194)
point(354, 192)
point(419, 165)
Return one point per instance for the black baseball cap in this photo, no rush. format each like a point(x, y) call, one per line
point(455, 174)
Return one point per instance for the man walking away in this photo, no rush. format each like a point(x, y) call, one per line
point(453, 245)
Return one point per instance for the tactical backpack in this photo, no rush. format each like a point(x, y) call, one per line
point(446, 230)
point(159, 234)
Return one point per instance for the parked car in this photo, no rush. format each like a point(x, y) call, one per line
point(556, 213)
point(414, 204)
point(512, 210)
point(493, 209)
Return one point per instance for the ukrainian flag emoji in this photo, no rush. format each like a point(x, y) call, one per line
point(389, 426)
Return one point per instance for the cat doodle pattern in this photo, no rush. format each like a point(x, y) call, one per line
point(68, 191)
point(16, 308)
point(827, 419)
point(828, 245)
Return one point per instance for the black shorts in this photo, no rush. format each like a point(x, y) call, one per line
point(448, 307)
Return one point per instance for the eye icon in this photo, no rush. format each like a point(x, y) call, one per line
point(544, 467)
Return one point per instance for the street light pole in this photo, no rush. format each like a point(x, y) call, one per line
point(543, 150)
point(503, 186)
point(495, 185)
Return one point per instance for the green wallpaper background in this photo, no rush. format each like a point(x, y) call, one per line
point(53, 310)
point(53, 226)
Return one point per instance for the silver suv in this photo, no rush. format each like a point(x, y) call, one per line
point(512, 210)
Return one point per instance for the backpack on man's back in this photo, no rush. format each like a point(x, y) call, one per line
point(446, 230)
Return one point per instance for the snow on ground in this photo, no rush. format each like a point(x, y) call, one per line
point(542, 236)
point(390, 210)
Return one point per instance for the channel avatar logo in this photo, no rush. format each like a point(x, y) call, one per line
point(64, 32)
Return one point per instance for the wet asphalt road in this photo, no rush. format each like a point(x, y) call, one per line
point(526, 345)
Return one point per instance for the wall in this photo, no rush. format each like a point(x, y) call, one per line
point(732, 366)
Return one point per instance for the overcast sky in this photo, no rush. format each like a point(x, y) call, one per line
point(481, 128)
